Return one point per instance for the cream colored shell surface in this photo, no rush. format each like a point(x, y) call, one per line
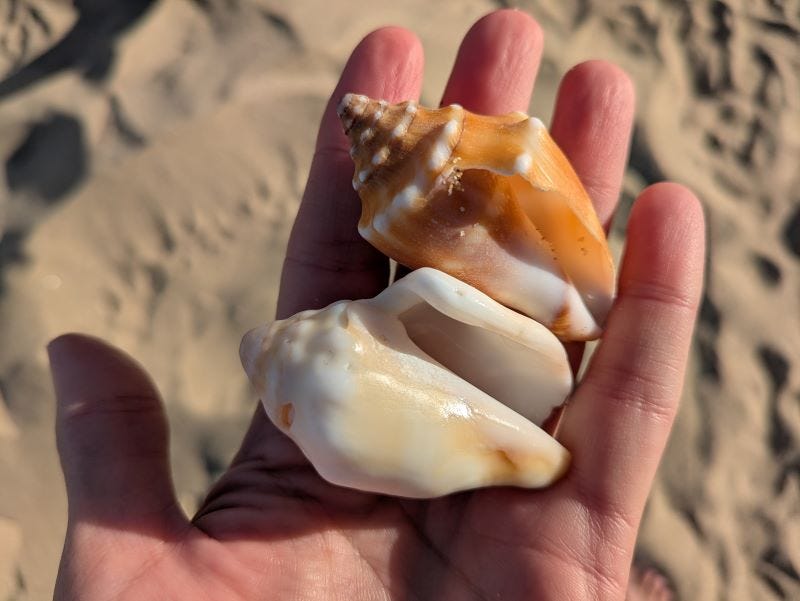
point(411, 393)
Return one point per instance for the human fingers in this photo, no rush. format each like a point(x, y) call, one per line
point(496, 64)
point(592, 124)
point(618, 420)
point(112, 438)
point(326, 259)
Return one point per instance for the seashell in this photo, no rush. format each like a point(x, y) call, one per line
point(491, 200)
point(429, 388)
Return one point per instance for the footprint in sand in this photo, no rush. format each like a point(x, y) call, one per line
point(768, 270)
point(777, 367)
point(83, 38)
point(778, 573)
point(8, 429)
point(29, 27)
point(791, 231)
point(51, 160)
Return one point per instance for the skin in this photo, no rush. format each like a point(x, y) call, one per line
point(271, 528)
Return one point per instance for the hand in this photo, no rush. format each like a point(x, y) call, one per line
point(271, 528)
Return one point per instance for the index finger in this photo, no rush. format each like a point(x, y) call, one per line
point(326, 259)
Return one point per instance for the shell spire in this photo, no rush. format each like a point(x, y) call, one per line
point(491, 200)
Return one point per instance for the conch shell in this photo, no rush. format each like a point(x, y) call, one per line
point(429, 388)
point(490, 200)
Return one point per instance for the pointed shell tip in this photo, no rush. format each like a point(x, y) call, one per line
point(250, 349)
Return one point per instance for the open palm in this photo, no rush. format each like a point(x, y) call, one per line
point(272, 528)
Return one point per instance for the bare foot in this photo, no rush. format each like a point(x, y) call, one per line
point(648, 584)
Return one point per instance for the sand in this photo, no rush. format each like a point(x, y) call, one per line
point(154, 159)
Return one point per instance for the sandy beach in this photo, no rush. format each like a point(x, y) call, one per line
point(155, 156)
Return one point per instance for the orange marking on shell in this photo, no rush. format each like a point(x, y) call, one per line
point(286, 415)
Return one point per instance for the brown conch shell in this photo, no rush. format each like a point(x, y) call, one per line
point(491, 200)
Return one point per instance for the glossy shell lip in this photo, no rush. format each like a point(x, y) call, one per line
point(491, 200)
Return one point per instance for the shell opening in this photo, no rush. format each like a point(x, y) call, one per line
point(467, 352)
point(566, 234)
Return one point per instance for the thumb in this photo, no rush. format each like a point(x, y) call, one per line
point(112, 437)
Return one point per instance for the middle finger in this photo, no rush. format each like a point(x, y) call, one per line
point(496, 64)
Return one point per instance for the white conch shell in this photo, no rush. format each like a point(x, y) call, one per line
point(491, 200)
point(377, 392)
